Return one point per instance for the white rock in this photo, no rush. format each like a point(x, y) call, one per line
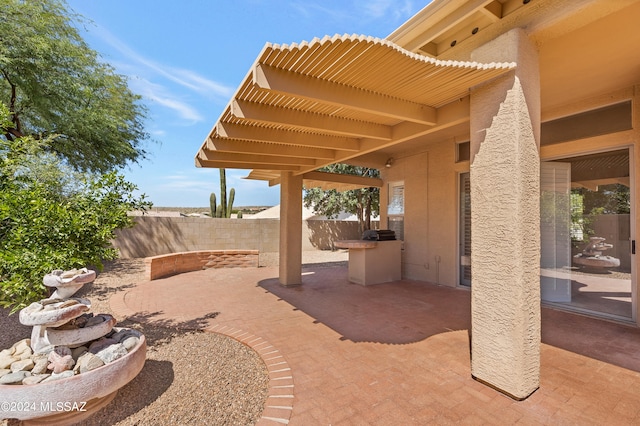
point(22, 365)
point(6, 361)
point(21, 346)
point(112, 352)
point(88, 362)
point(130, 342)
point(40, 366)
point(14, 378)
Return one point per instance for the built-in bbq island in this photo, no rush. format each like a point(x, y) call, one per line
point(375, 259)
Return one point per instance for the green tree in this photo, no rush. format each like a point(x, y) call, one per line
point(52, 217)
point(363, 202)
point(56, 87)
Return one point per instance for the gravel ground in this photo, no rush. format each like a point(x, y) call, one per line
point(189, 377)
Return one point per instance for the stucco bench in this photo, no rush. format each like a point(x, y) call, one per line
point(176, 263)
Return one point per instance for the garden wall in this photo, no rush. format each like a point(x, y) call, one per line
point(152, 235)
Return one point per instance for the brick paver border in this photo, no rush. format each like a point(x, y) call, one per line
point(279, 404)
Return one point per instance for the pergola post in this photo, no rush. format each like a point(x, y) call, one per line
point(290, 229)
point(505, 215)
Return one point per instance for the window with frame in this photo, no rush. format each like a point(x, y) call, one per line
point(395, 209)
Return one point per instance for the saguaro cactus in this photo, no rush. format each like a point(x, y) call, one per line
point(223, 192)
point(223, 209)
point(212, 204)
point(232, 195)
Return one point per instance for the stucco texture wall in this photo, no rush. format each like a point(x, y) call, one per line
point(430, 219)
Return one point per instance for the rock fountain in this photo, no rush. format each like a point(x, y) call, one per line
point(592, 258)
point(73, 364)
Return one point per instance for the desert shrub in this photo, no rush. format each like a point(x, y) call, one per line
point(52, 217)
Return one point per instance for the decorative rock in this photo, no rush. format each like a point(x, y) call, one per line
point(40, 366)
point(32, 380)
point(121, 335)
point(88, 362)
point(39, 343)
point(68, 282)
point(100, 344)
point(98, 319)
point(94, 328)
point(21, 346)
point(4, 372)
point(60, 359)
point(53, 314)
point(26, 354)
point(63, 375)
point(81, 321)
point(112, 352)
point(130, 343)
point(22, 365)
point(14, 378)
point(6, 361)
point(78, 352)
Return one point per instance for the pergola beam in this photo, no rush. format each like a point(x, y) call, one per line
point(318, 90)
point(234, 145)
point(362, 181)
point(241, 165)
point(255, 158)
point(261, 134)
point(258, 113)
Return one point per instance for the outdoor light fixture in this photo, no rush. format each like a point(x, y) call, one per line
point(389, 162)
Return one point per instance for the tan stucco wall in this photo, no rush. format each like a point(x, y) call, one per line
point(430, 178)
point(152, 236)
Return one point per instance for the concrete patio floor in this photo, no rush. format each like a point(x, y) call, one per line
point(391, 354)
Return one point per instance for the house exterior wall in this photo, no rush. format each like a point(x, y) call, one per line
point(430, 176)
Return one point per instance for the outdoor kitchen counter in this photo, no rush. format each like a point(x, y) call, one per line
point(373, 262)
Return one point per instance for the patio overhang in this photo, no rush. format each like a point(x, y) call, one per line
point(305, 106)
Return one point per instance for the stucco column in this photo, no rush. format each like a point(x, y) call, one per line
point(505, 220)
point(290, 229)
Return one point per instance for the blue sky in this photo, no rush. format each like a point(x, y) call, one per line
point(186, 58)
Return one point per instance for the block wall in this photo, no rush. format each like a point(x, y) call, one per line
point(152, 236)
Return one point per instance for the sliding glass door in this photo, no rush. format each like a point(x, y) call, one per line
point(585, 230)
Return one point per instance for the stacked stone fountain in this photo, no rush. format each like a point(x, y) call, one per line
point(592, 257)
point(75, 361)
